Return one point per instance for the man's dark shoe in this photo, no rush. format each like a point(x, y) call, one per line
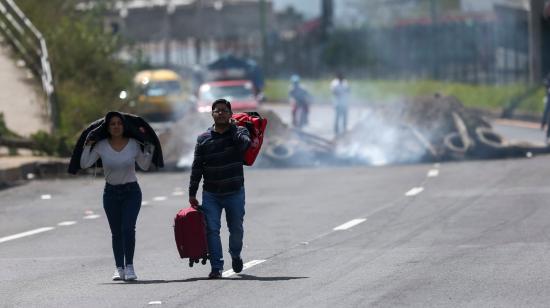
point(215, 274)
point(237, 264)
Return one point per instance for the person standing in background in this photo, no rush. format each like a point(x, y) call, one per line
point(339, 89)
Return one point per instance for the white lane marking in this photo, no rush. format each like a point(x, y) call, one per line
point(66, 223)
point(93, 216)
point(433, 172)
point(350, 224)
point(160, 198)
point(247, 265)
point(144, 202)
point(46, 197)
point(23, 234)
point(178, 193)
point(415, 191)
point(155, 303)
point(88, 212)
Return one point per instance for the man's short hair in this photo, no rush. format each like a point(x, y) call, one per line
point(222, 101)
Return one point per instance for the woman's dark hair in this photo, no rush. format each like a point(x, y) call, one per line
point(112, 114)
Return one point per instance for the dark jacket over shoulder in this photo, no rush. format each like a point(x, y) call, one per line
point(98, 131)
point(219, 160)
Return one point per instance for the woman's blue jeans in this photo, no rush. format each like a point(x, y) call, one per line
point(122, 204)
point(212, 206)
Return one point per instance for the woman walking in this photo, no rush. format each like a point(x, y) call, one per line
point(122, 195)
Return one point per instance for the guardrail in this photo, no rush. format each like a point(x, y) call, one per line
point(30, 45)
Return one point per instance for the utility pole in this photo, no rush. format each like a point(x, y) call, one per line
point(536, 8)
point(197, 21)
point(433, 34)
point(170, 9)
point(263, 33)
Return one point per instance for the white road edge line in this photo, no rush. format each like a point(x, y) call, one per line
point(178, 193)
point(155, 303)
point(415, 191)
point(159, 198)
point(66, 223)
point(247, 265)
point(23, 234)
point(93, 216)
point(349, 224)
point(433, 172)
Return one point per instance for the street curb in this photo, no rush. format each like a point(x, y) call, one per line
point(33, 170)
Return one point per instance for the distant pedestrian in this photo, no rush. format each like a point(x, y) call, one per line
point(339, 89)
point(122, 194)
point(545, 122)
point(218, 159)
point(300, 101)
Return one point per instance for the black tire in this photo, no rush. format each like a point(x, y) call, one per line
point(490, 144)
point(454, 146)
point(278, 150)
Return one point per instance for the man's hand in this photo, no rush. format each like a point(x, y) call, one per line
point(194, 202)
point(89, 142)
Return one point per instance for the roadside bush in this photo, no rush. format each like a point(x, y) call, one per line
point(52, 145)
point(86, 73)
point(4, 130)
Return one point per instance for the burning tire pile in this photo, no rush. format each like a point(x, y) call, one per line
point(423, 129)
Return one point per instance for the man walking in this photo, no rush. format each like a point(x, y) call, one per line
point(340, 91)
point(219, 161)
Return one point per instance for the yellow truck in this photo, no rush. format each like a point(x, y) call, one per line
point(161, 95)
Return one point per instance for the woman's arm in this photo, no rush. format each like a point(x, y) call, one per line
point(144, 157)
point(88, 157)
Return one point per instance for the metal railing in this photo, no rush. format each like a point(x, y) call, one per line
point(30, 45)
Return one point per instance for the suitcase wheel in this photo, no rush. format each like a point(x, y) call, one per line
point(203, 261)
point(190, 263)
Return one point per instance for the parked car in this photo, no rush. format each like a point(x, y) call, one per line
point(240, 93)
point(161, 95)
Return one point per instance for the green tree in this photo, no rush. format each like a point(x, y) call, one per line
point(87, 75)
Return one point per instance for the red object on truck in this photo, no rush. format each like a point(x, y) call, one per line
point(190, 234)
point(256, 125)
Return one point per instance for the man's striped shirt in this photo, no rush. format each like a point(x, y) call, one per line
point(219, 160)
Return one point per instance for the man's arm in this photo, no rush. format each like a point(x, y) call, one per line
point(242, 137)
point(196, 173)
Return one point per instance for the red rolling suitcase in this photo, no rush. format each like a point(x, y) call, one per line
point(190, 233)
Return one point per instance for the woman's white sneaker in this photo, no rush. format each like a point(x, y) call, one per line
point(119, 274)
point(129, 273)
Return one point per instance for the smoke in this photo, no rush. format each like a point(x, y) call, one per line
point(178, 138)
point(381, 137)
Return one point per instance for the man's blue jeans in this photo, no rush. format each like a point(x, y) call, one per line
point(212, 205)
point(122, 204)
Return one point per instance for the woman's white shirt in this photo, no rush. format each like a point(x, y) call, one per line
point(118, 166)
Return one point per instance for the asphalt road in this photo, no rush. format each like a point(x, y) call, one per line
point(468, 234)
